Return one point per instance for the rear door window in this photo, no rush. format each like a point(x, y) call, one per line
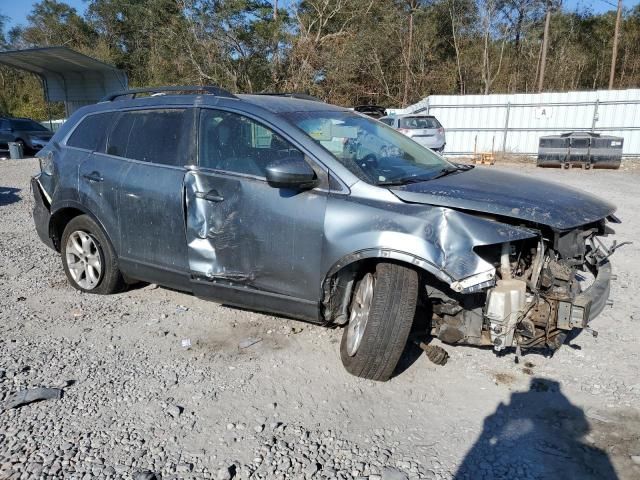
point(388, 121)
point(155, 136)
point(90, 133)
point(419, 123)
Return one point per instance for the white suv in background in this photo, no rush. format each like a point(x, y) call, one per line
point(424, 129)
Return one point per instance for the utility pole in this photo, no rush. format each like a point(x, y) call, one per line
point(275, 9)
point(412, 4)
point(545, 44)
point(614, 53)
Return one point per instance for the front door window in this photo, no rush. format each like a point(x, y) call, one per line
point(234, 143)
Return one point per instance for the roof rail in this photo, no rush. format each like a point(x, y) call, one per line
point(206, 89)
point(301, 96)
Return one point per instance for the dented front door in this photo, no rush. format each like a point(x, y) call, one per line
point(243, 232)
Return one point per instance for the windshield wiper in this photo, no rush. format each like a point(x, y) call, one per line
point(403, 181)
point(417, 179)
point(446, 171)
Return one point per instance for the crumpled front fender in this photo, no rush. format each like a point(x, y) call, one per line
point(436, 239)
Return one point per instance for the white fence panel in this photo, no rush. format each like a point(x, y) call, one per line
point(514, 123)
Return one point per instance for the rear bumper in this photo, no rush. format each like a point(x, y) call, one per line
point(41, 213)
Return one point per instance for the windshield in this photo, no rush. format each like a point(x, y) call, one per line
point(27, 125)
point(370, 149)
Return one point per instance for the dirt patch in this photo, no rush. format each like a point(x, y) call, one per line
point(504, 378)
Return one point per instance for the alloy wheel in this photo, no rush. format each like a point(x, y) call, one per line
point(84, 260)
point(359, 317)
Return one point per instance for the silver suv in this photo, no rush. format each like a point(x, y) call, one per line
point(316, 212)
point(424, 129)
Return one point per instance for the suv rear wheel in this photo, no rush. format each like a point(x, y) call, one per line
point(380, 318)
point(88, 258)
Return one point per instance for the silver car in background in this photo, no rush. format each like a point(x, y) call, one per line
point(424, 129)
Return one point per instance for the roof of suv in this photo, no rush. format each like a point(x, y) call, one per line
point(281, 104)
point(209, 94)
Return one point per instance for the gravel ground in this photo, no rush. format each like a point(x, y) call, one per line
point(138, 404)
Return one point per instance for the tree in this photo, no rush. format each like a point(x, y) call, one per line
point(389, 52)
point(493, 33)
point(3, 38)
point(55, 23)
point(237, 43)
point(522, 17)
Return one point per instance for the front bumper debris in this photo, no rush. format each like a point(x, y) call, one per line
point(588, 304)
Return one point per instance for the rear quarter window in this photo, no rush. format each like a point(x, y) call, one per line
point(90, 132)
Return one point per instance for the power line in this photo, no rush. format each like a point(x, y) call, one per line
point(609, 3)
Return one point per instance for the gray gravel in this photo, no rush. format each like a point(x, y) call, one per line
point(138, 404)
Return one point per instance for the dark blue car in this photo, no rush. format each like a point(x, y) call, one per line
point(29, 133)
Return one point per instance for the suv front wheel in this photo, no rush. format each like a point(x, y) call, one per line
point(380, 319)
point(88, 258)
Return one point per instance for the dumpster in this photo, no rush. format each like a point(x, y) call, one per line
point(606, 151)
point(584, 149)
point(553, 150)
point(15, 151)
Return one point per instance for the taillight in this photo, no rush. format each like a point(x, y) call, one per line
point(404, 131)
point(46, 162)
point(441, 130)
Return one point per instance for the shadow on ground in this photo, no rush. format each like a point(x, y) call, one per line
point(420, 330)
point(8, 196)
point(538, 434)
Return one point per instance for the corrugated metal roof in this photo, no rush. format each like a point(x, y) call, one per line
point(68, 76)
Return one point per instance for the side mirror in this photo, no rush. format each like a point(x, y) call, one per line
point(291, 172)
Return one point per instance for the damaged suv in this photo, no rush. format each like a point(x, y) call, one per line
point(316, 212)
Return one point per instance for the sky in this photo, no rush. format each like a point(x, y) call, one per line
point(17, 10)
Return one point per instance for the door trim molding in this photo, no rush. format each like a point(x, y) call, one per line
point(258, 300)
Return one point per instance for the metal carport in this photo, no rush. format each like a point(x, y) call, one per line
point(67, 76)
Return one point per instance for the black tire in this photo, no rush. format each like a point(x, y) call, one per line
point(395, 295)
point(110, 280)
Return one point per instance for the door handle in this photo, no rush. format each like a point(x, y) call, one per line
point(93, 177)
point(211, 196)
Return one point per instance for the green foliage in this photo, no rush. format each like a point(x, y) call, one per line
point(345, 51)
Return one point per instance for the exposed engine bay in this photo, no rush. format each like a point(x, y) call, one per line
point(542, 289)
